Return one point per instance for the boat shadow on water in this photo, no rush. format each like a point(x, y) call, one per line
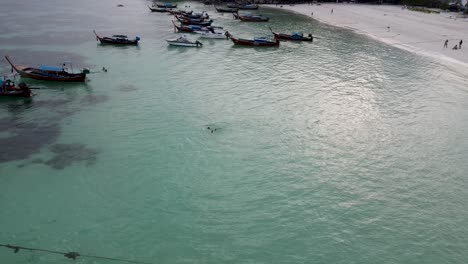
point(121, 47)
point(256, 48)
point(45, 85)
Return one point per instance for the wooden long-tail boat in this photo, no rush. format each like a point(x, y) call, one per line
point(117, 40)
point(295, 36)
point(251, 18)
point(9, 89)
point(201, 15)
point(243, 6)
point(48, 73)
point(226, 10)
point(191, 28)
point(179, 12)
point(158, 9)
point(195, 20)
point(185, 21)
point(166, 5)
point(256, 42)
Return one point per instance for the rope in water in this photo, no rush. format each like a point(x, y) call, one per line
point(71, 255)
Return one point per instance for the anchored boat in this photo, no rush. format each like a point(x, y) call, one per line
point(226, 10)
point(49, 73)
point(9, 89)
point(295, 36)
point(166, 5)
point(256, 42)
point(183, 41)
point(243, 6)
point(117, 40)
point(250, 17)
point(158, 9)
point(212, 34)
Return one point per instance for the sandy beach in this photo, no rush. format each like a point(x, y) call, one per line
point(414, 31)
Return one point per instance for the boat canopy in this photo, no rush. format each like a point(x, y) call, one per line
point(50, 68)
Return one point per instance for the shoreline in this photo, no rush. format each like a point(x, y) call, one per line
point(412, 31)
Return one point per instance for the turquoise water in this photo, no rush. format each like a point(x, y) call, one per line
point(344, 150)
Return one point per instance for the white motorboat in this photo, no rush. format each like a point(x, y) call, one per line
point(184, 41)
point(212, 34)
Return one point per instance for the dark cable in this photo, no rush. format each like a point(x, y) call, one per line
point(70, 255)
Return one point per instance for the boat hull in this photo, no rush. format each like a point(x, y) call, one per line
point(20, 94)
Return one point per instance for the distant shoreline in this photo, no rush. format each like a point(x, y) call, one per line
point(413, 31)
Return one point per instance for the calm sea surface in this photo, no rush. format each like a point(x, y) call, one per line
point(344, 150)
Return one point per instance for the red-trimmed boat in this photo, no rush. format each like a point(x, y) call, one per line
point(9, 89)
point(251, 17)
point(295, 36)
point(48, 73)
point(256, 42)
point(117, 40)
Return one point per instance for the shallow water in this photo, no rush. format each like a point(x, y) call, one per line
point(343, 150)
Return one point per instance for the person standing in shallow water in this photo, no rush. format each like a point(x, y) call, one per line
point(332, 11)
point(446, 43)
point(461, 42)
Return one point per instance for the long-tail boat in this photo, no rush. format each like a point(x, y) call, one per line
point(179, 12)
point(185, 21)
point(256, 42)
point(196, 20)
point(226, 10)
point(251, 17)
point(243, 6)
point(158, 9)
point(201, 15)
point(295, 36)
point(191, 28)
point(117, 40)
point(9, 89)
point(48, 73)
point(166, 5)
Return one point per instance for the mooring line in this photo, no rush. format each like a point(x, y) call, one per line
point(71, 255)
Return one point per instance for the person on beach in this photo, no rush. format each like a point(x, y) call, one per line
point(455, 47)
point(332, 11)
point(461, 42)
point(446, 43)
